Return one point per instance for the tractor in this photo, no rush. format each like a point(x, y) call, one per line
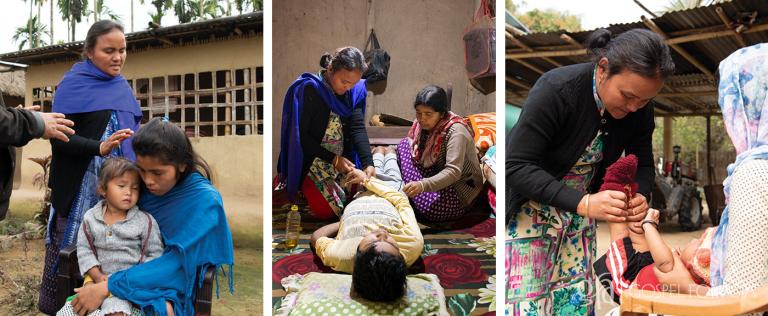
point(675, 192)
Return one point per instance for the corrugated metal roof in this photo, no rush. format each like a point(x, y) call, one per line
point(250, 22)
point(708, 52)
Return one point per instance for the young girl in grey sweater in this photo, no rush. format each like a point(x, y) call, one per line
point(115, 234)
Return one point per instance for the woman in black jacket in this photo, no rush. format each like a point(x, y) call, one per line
point(578, 120)
point(100, 102)
point(323, 132)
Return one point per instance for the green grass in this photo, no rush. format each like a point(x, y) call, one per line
point(247, 299)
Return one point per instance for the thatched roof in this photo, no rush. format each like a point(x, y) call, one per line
point(12, 83)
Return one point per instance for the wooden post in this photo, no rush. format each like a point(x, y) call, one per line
point(215, 105)
point(229, 100)
point(710, 165)
point(667, 139)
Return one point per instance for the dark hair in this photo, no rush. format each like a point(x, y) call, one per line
point(114, 167)
point(379, 276)
point(638, 50)
point(433, 97)
point(166, 141)
point(349, 58)
point(98, 29)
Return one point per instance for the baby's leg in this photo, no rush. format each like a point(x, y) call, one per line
point(387, 169)
point(618, 230)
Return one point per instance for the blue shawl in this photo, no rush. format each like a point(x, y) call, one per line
point(196, 235)
point(291, 154)
point(85, 88)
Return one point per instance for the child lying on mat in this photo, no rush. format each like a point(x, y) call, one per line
point(638, 247)
point(378, 236)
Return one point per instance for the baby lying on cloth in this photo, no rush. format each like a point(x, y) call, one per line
point(638, 247)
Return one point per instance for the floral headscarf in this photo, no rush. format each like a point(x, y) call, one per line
point(743, 96)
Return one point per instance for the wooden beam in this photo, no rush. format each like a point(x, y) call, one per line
point(529, 66)
point(695, 35)
point(522, 45)
point(688, 94)
point(541, 54)
point(513, 30)
point(727, 22)
point(678, 114)
point(571, 41)
point(517, 83)
point(645, 9)
point(651, 25)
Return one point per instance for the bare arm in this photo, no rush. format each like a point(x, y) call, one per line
point(329, 231)
point(661, 253)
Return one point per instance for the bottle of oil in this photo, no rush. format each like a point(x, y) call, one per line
point(292, 227)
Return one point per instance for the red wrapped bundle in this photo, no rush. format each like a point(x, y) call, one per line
point(620, 176)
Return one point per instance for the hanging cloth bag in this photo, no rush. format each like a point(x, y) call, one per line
point(377, 60)
point(480, 43)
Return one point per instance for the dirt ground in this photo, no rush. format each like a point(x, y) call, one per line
point(673, 236)
point(21, 261)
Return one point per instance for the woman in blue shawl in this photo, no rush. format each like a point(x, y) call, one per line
point(739, 257)
point(323, 132)
point(100, 102)
point(190, 213)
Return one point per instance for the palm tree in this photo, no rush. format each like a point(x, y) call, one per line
point(73, 11)
point(160, 7)
point(99, 10)
point(183, 11)
point(51, 25)
point(140, 2)
point(207, 8)
point(30, 35)
point(195, 10)
point(243, 5)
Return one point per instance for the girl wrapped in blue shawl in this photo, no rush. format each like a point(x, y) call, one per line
point(190, 214)
point(323, 132)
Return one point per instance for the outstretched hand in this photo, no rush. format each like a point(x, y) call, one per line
point(56, 126)
point(114, 140)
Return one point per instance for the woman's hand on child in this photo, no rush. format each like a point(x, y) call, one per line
point(413, 188)
point(114, 141)
point(89, 297)
point(342, 164)
point(356, 176)
point(370, 171)
point(605, 205)
point(638, 208)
